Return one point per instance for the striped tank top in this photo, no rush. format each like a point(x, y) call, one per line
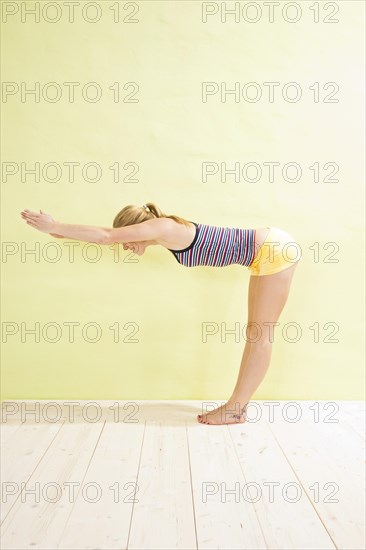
point(218, 247)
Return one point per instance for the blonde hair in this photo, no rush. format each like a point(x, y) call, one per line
point(131, 214)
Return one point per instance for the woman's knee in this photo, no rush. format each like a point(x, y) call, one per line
point(262, 346)
point(260, 334)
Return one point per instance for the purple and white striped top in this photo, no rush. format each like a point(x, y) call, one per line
point(218, 247)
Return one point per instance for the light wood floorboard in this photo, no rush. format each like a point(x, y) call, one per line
point(145, 475)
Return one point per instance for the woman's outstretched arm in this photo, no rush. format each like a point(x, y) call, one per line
point(88, 233)
point(144, 231)
point(46, 224)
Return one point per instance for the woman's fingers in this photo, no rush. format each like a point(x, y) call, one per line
point(30, 218)
point(31, 214)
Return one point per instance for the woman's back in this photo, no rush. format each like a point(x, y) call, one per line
point(218, 247)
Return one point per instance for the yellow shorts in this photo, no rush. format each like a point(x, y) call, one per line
point(278, 252)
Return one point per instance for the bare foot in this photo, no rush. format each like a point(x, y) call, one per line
point(230, 413)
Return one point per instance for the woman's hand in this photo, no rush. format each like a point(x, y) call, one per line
point(43, 222)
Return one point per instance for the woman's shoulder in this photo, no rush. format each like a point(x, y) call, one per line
point(173, 233)
point(170, 224)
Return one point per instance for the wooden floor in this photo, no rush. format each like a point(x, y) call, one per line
point(146, 475)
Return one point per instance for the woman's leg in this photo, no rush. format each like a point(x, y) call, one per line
point(251, 297)
point(267, 297)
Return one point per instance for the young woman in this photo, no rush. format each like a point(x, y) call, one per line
point(271, 255)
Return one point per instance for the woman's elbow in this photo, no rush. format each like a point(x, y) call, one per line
point(106, 237)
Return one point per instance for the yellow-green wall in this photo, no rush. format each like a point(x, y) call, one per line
point(169, 133)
